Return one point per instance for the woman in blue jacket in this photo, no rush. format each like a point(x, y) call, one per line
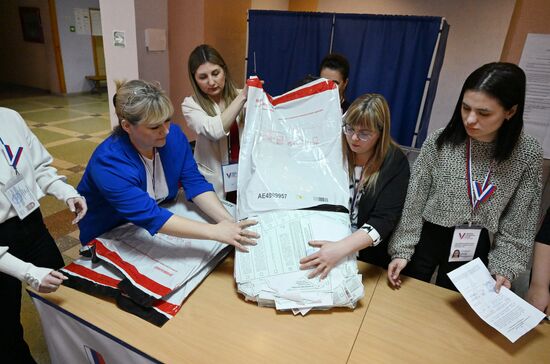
point(142, 164)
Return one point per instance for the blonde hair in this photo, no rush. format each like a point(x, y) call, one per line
point(199, 56)
point(370, 112)
point(141, 102)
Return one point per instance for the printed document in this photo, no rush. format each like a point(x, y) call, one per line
point(504, 311)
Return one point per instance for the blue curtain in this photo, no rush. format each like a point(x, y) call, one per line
point(389, 55)
point(288, 46)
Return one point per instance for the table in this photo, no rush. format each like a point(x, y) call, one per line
point(96, 82)
point(422, 323)
point(417, 323)
point(216, 325)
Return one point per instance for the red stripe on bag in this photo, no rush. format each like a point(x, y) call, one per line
point(132, 271)
point(92, 275)
point(295, 95)
point(167, 307)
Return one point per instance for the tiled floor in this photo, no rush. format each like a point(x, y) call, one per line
point(70, 127)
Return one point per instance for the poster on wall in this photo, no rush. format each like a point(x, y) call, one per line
point(95, 16)
point(31, 24)
point(535, 61)
point(82, 21)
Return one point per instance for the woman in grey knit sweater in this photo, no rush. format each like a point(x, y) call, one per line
point(481, 174)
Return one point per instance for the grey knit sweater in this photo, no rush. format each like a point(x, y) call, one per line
point(438, 193)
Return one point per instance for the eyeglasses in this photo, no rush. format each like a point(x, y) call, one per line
point(362, 134)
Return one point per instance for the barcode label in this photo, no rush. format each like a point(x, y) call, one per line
point(320, 199)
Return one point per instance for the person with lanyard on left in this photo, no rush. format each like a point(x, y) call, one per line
point(28, 252)
point(481, 174)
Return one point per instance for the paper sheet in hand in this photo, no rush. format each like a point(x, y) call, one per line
point(504, 311)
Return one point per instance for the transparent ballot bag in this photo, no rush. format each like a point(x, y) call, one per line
point(293, 181)
point(291, 154)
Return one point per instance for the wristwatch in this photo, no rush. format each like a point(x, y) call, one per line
point(372, 233)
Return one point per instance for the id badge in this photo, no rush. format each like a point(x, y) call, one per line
point(463, 246)
point(229, 173)
point(20, 196)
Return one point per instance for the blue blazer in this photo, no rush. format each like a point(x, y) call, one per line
point(115, 185)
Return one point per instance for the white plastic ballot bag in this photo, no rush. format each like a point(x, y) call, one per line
point(291, 150)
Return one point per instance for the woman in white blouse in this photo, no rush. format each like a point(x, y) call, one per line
point(214, 112)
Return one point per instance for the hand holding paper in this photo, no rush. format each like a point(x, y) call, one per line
point(504, 311)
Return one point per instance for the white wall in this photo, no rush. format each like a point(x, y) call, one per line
point(477, 34)
point(120, 63)
point(153, 66)
point(76, 49)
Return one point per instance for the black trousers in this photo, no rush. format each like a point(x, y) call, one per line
point(30, 241)
point(433, 251)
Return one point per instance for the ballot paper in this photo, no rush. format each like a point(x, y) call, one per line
point(270, 272)
point(504, 311)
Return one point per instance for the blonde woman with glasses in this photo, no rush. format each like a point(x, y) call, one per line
point(379, 175)
point(214, 113)
point(142, 164)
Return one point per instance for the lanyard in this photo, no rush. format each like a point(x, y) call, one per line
point(233, 143)
point(357, 194)
point(477, 192)
point(13, 159)
point(154, 168)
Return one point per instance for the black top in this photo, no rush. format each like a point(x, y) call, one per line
point(345, 106)
point(543, 235)
point(382, 207)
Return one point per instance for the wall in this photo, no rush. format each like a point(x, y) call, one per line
point(269, 4)
point(303, 5)
point(225, 29)
point(76, 49)
point(530, 16)
point(152, 66)
point(25, 63)
point(185, 32)
point(477, 34)
point(121, 63)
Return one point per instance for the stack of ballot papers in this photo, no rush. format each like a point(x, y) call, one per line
point(149, 276)
point(270, 272)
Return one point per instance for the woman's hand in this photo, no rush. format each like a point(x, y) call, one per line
point(51, 282)
point(244, 92)
point(78, 206)
point(235, 233)
point(539, 296)
point(501, 281)
point(394, 269)
point(329, 254)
